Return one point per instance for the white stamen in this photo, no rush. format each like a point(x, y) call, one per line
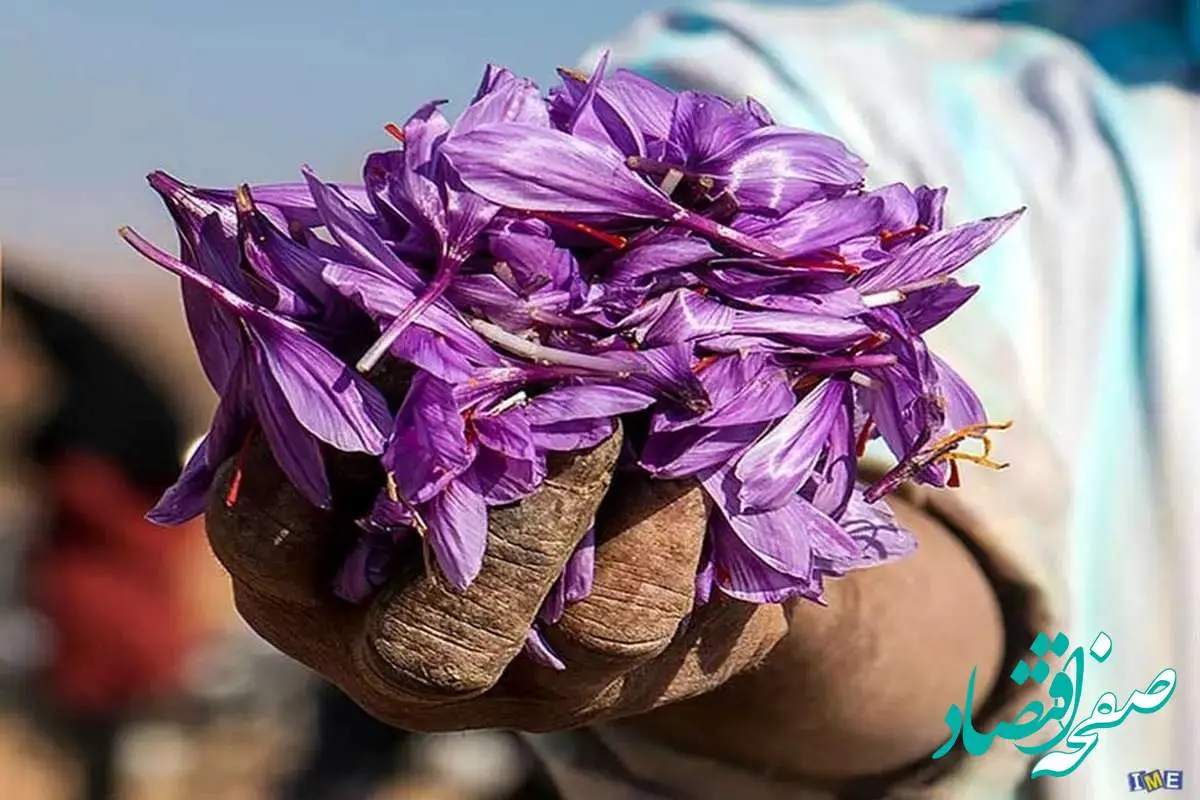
point(525, 348)
point(504, 405)
point(671, 181)
point(376, 351)
point(883, 298)
point(865, 381)
point(900, 293)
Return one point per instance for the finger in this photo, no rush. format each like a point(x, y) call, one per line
point(649, 534)
point(281, 553)
point(431, 642)
point(268, 536)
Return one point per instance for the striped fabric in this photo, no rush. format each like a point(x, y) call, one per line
point(1081, 333)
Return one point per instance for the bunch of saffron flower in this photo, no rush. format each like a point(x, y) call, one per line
point(542, 268)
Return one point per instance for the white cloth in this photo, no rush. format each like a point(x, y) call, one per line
point(1083, 332)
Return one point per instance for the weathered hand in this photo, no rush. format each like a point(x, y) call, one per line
point(425, 657)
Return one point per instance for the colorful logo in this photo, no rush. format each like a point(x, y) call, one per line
point(1078, 738)
point(1154, 779)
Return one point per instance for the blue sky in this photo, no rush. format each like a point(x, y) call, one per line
point(95, 94)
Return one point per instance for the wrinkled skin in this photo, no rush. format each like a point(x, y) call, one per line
point(424, 657)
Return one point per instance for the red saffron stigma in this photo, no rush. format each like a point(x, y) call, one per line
point(952, 481)
point(235, 484)
point(831, 265)
point(723, 577)
point(610, 239)
point(704, 363)
point(864, 436)
point(915, 230)
point(876, 339)
point(395, 131)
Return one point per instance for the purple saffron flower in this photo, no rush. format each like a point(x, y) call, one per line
point(705, 140)
point(446, 464)
point(299, 393)
point(530, 168)
point(617, 255)
point(457, 218)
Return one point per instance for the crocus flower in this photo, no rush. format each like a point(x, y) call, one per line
point(299, 393)
point(619, 256)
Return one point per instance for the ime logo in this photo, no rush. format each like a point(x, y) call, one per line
point(1153, 780)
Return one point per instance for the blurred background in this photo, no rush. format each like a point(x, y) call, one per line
point(92, 97)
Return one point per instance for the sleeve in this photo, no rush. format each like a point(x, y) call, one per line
point(1079, 334)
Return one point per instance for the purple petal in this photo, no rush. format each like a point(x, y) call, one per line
point(580, 572)
point(538, 169)
point(703, 126)
point(774, 169)
point(384, 299)
point(502, 479)
point(938, 254)
point(420, 194)
point(555, 604)
point(929, 206)
point(188, 497)
point(506, 433)
point(295, 448)
point(809, 294)
point(585, 402)
point(666, 373)
point(816, 331)
point(504, 97)
point(834, 487)
point(688, 452)
point(741, 574)
point(644, 101)
point(780, 463)
point(328, 399)
point(579, 434)
point(742, 389)
point(458, 529)
point(781, 537)
point(540, 652)
point(352, 231)
point(534, 258)
point(899, 207)
point(817, 225)
point(430, 447)
point(665, 253)
point(402, 221)
point(388, 516)
point(927, 308)
point(963, 407)
point(293, 270)
point(215, 333)
point(706, 573)
point(575, 582)
point(879, 537)
point(680, 316)
point(214, 329)
point(366, 568)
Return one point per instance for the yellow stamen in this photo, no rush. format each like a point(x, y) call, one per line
point(393, 493)
point(571, 72)
point(977, 432)
point(242, 199)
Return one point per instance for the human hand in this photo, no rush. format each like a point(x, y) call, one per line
point(423, 656)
